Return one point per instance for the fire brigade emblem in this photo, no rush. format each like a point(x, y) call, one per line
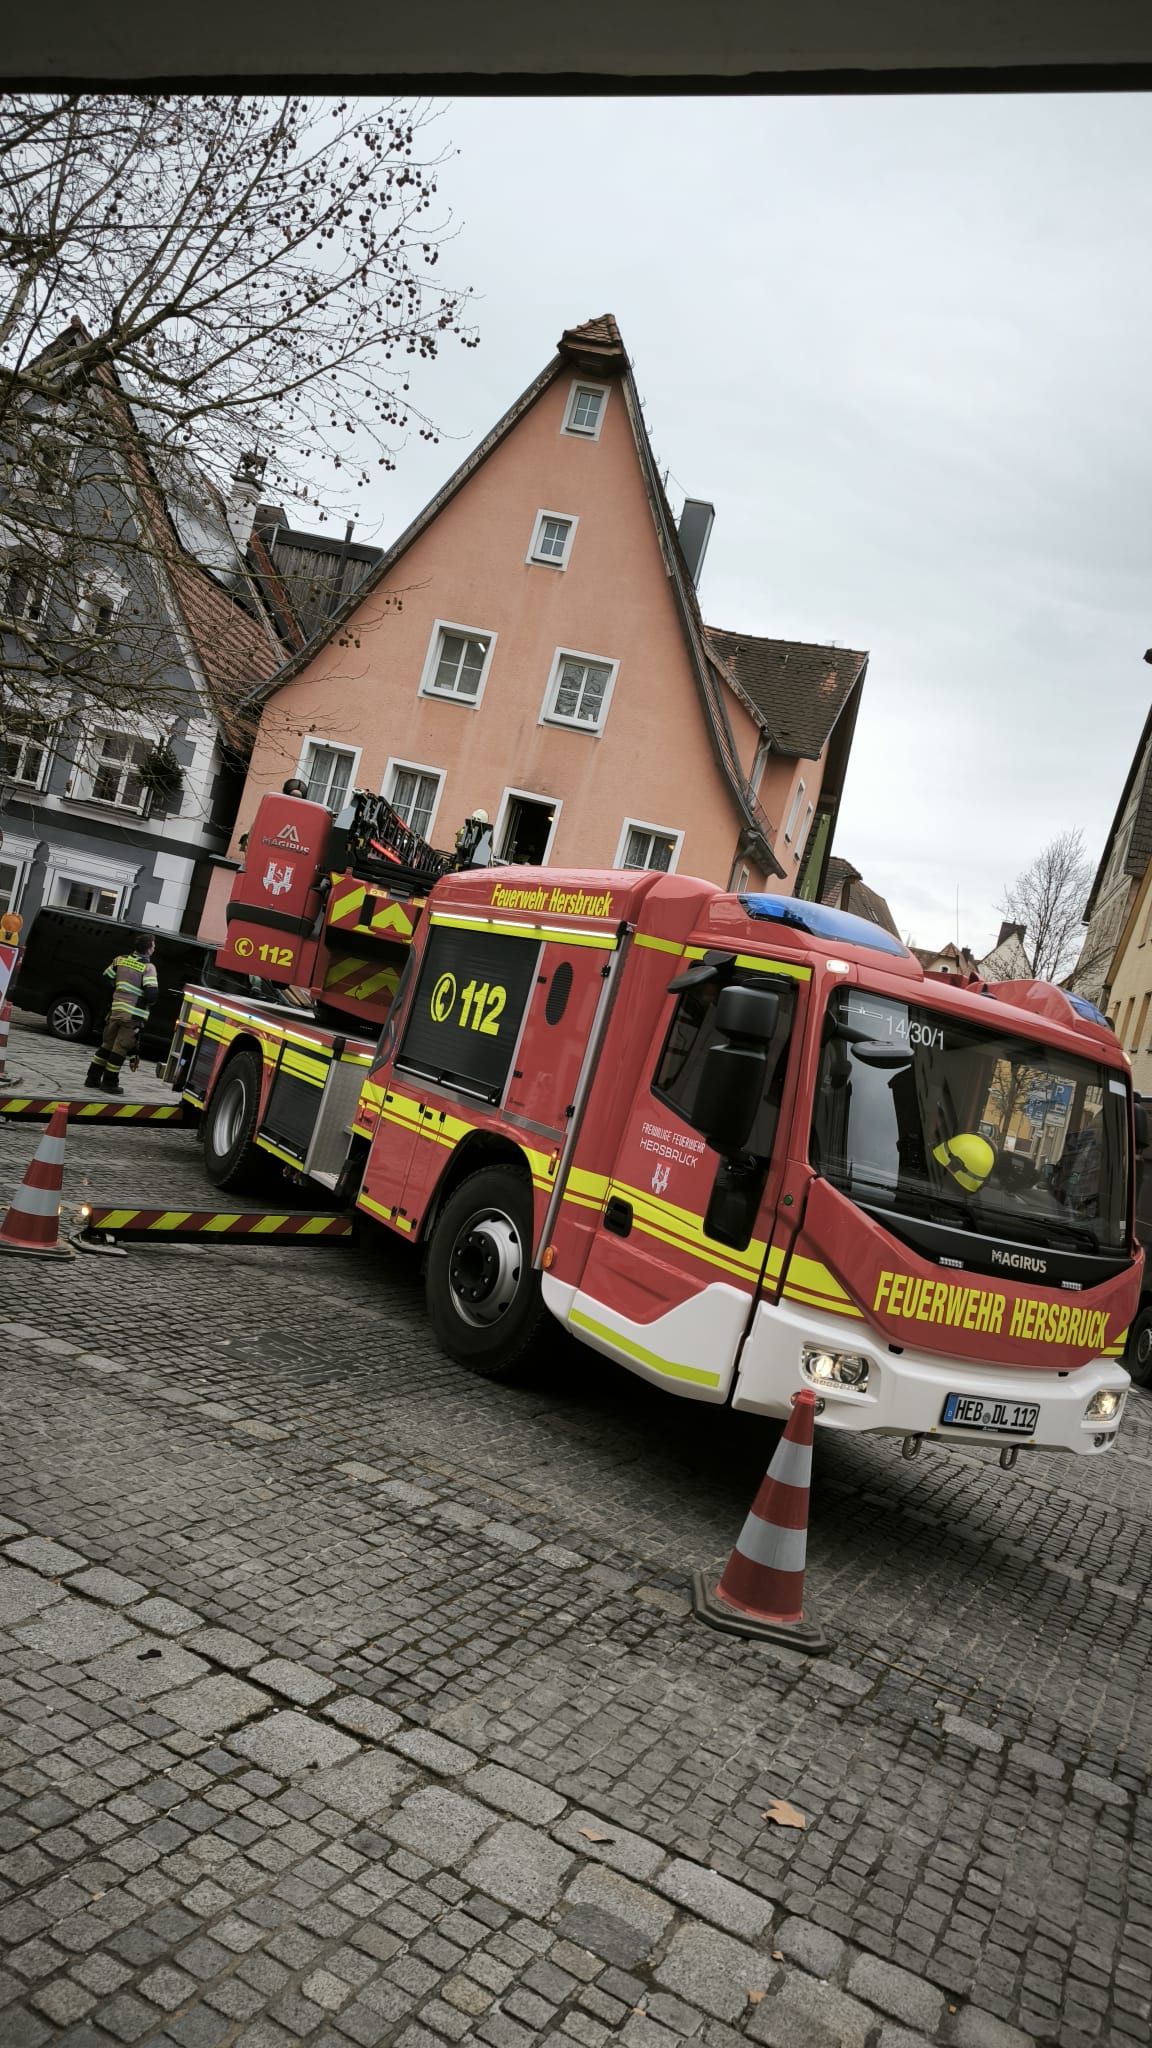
point(660, 1179)
point(277, 879)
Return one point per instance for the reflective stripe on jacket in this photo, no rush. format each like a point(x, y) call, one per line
point(133, 978)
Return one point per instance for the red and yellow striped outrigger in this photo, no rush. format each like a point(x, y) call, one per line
point(35, 1107)
point(306, 1225)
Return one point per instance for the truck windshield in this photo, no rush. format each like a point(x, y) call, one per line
point(966, 1125)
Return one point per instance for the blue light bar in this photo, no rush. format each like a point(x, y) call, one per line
point(820, 921)
point(1084, 1008)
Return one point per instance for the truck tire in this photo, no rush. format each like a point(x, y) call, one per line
point(484, 1301)
point(231, 1160)
point(1138, 1351)
point(70, 1017)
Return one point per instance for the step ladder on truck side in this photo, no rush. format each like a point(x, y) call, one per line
point(739, 1144)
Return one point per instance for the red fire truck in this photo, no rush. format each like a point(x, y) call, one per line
point(741, 1144)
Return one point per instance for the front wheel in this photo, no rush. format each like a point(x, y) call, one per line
point(484, 1300)
point(70, 1017)
point(1138, 1353)
point(231, 1160)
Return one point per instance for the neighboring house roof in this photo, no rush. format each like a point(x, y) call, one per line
point(798, 688)
point(305, 575)
point(597, 348)
point(845, 889)
point(1140, 844)
point(220, 607)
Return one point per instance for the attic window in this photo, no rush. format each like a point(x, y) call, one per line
point(552, 538)
point(585, 411)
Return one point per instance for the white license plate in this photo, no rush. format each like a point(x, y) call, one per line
point(978, 1411)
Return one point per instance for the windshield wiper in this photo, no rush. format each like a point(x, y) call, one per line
point(1040, 1230)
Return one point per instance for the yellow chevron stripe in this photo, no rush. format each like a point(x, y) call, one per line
point(344, 904)
point(392, 919)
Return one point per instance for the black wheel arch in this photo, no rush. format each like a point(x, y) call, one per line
point(480, 1149)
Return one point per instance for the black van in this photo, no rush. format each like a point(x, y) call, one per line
point(61, 975)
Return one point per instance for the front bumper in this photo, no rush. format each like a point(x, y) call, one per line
point(906, 1390)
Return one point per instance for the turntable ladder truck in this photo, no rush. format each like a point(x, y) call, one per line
point(741, 1144)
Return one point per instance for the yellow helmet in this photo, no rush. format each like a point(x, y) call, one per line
point(969, 1159)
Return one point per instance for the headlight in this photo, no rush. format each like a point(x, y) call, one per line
point(1103, 1406)
point(834, 1368)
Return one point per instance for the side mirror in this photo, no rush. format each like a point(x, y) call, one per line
point(748, 1013)
point(731, 1085)
point(729, 1094)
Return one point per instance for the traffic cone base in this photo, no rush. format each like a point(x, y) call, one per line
point(761, 1590)
point(31, 1228)
point(806, 1635)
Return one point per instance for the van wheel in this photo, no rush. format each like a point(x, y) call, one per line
point(70, 1018)
point(1138, 1352)
point(484, 1301)
point(231, 1160)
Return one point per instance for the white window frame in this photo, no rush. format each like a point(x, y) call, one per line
point(794, 813)
point(14, 557)
point(314, 740)
point(802, 835)
point(432, 663)
point(19, 854)
point(50, 745)
point(27, 480)
point(531, 796)
point(540, 561)
point(396, 766)
point(549, 717)
point(99, 587)
point(658, 832)
point(585, 384)
point(66, 865)
point(85, 768)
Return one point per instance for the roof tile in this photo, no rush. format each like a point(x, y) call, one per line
point(798, 688)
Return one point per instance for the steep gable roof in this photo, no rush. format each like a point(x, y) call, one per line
point(797, 687)
point(596, 347)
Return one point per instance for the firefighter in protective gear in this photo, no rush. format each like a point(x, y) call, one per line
point(133, 994)
point(967, 1158)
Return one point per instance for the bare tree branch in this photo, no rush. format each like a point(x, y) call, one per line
point(210, 277)
point(1048, 898)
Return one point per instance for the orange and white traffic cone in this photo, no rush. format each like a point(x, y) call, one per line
point(32, 1225)
point(761, 1592)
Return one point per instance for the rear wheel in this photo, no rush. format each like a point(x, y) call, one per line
point(70, 1017)
point(1138, 1354)
point(483, 1296)
point(231, 1160)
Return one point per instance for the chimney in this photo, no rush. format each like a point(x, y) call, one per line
point(244, 498)
point(694, 531)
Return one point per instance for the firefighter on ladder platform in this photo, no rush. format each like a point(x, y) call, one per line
point(133, 994)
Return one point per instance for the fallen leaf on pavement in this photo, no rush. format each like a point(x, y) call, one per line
point(590, 1835)
point(777, 1955)
point(756, 1997)
point(785, 1816)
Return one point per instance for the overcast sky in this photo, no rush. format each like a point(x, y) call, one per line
point(904, 347)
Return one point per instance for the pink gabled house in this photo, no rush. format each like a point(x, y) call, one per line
point(533, 646)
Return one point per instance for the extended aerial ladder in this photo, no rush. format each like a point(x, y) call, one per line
point(328, 906)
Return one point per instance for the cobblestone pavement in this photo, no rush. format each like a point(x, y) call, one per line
point(347, 1699)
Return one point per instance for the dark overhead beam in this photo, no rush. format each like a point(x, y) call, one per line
point(753, 46)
